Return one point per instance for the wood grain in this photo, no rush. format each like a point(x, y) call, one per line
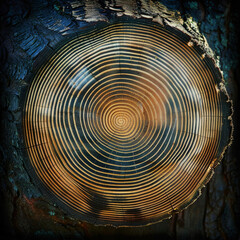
point(124, 123)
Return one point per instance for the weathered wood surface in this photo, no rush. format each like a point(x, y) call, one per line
point(29, 28)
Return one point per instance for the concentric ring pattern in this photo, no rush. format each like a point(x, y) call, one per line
point(123, 123)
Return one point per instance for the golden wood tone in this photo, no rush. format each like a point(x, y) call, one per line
point(124, 123)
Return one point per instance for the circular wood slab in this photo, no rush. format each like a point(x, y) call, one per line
point(124, 123)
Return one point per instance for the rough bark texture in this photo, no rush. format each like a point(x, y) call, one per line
point(28, 28)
